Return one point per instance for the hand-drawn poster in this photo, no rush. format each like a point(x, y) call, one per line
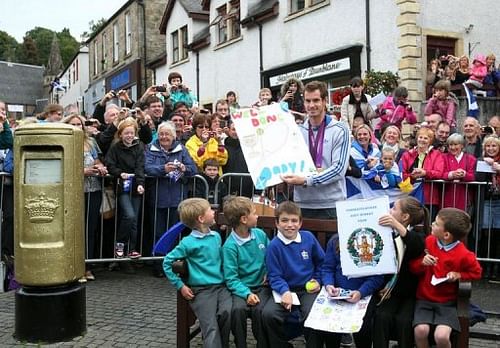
point(272, 144)
point(366, 248)
point(336, 315)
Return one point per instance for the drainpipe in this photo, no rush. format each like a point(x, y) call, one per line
point(198, 75)
point(145, 56)
point(261, 55)
point(368, 42)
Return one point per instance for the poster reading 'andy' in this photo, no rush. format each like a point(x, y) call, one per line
point(272, 144)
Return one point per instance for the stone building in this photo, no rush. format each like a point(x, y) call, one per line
point(118, 52)
point(246, 45)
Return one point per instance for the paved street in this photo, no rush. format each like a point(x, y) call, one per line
point(138, 310)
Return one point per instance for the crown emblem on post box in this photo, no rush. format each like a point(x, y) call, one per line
point(41, 208)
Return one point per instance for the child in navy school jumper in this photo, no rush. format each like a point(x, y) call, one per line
point(334, 280)
point(245, 270)
point(293, 259)
point(205, 289)
point(448, 259)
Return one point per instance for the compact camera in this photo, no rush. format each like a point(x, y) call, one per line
point(132, 113)
point(160, 89)
point(487, 130)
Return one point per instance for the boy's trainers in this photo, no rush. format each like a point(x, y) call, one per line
point(119, 247)
point(134, 254)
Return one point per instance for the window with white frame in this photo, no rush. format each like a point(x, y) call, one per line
point(301, 5)
point(184, 42)
point(227, 22)
point(96, 58)
point(77, 68)
point(116, 43)
point(175, 46)
point(179, 43)
point(128, 34)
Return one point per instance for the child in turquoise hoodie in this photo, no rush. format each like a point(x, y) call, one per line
point(244, 269)
point(205, 289)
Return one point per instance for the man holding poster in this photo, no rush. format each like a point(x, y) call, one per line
point(329, 143)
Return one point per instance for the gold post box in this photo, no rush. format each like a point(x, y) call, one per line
point(49, 204)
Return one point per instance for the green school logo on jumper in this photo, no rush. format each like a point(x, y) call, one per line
point(365, 247)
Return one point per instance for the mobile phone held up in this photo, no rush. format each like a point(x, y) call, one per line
point(160, 89)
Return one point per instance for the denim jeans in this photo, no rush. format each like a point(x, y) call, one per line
point(129, 212)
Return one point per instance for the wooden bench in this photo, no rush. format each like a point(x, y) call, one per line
point(185, 316)
point(323, 229)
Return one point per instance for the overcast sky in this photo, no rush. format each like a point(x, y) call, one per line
point(19, 16)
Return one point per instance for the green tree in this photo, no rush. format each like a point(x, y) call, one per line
point(67, 45)
point(39, 40)
point(28, 52)
point(43, 40)
point(94, 27)
point(8, 47)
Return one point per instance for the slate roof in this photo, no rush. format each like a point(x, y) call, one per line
point(21, 83)
point(192, 7)
point(202, 34)
point(261, 8)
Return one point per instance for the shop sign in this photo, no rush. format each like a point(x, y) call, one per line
point(312, 71)
point(120, 79)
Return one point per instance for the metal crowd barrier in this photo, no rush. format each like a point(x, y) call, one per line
point(480, 240)
point(470, 197)
point(146, 226)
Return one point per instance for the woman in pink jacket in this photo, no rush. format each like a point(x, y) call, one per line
point(458, 167)
point(425, 163)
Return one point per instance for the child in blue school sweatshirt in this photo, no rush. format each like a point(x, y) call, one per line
point(293, 259)
point(334, 280)
point(205, 289)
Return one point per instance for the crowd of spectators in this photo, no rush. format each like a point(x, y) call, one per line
point(167, 135)
point(483, 74)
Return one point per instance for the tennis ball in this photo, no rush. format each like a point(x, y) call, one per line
point(311, 285)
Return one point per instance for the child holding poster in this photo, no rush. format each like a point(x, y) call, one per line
point(446, 261)
point(393, 318)
point(357, 288)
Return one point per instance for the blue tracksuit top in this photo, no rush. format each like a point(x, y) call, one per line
point(291, 266)
point(331, 273)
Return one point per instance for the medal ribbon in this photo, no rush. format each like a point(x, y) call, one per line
point(316, 144)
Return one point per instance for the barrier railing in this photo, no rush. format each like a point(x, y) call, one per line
point(101, 233)
point(470, 196)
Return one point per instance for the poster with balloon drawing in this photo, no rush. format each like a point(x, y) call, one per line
point(272, 144)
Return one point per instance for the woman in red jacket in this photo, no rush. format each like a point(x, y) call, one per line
point(458, 166)
point(424, 163)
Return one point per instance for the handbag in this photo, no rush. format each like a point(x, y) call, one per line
point(108, 204)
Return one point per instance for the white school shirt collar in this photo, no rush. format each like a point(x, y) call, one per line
point(287, 241)
point(239, 240)
point(198, 234)
point(447, 247)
